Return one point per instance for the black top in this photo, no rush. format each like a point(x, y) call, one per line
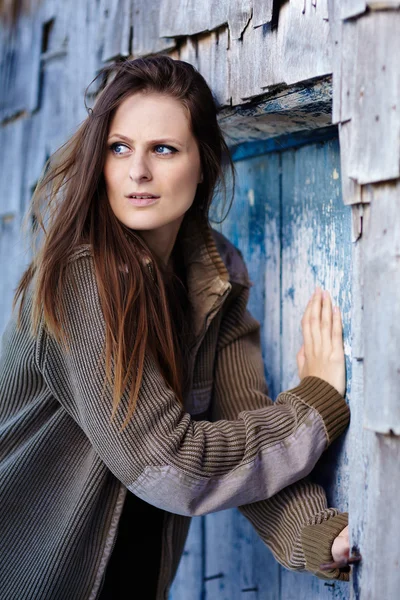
point(133, 569)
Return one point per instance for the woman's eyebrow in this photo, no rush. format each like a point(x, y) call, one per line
point(156, 141)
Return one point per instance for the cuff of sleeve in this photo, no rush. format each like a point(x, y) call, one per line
point(317, 543)
point(331, 405)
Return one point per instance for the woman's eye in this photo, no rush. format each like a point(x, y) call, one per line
point(114, 148)
point(162, 147)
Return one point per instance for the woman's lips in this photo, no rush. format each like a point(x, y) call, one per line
point(142, 201)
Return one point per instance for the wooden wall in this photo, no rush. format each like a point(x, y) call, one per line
point(278, 68)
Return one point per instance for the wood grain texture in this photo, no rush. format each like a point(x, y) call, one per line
point(189, 17)
point(351, 190)
point(117, 29)
point(20, 49)
point(190, 572)
point(262, 12)
point(376, 109)
point(213, 63)
point(352, 8)
point(382, 309)
point(146, 29)
point(295, 109)
point(379, 574)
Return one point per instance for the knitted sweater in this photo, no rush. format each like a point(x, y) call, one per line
point(65, 468)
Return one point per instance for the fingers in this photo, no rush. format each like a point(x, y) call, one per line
point(311, 324)
point(322, 326)
point(315, 318)
point(337, 331)
point(326, 321)
point(306, 326)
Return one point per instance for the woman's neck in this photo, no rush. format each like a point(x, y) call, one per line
point(161, 241)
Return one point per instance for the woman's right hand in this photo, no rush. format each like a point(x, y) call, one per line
point(322, 353)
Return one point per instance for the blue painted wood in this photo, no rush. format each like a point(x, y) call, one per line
point(289, 222)
point(316, 250)
point(189, 580)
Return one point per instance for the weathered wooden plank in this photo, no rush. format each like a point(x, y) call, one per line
point(376, 115)
point(20, 65)
point(246, 82)
point(187, 51)
point(335, 40)
point(295, 109)
point(146, 29)
point(348, 83)
point(190, 572)
point(262, 12)
point(351, 190)
point(379, 573)
point(239, 15)
point(213, 64)
point(12, 165)
point(222, 562)
point(351, 8)
point(358, 439)
point(304, 29)
point(118, 29)
point(382, 309)
point(13, 259)
point(299, 38)
point(188, 17)
point(269, 192)
point(316, 249)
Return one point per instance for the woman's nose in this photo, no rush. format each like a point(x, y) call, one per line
point(139, 169)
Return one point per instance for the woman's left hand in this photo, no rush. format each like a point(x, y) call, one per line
point(340, 547)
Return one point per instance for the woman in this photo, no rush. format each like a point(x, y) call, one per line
point(132, 388)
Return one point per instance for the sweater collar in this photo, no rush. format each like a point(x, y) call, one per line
point(206, 273)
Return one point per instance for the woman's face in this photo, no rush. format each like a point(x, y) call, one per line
point(151, 151)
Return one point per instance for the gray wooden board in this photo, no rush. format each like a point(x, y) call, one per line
point(306, 47)
point(189, 17)
point(13, 260)
point(117, 31)
point(379, 574)
point(262, 12)
point(212, 53)
point(146, 29)
point(382, 309)
point(12, 166)
point(316, 250)
point(20, 65)
point(348, 57)
point(351, 190)
point(376, 115)
point(335, 40)
point(359, 439)
point(351, 8)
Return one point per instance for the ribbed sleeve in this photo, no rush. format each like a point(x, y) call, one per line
point(317, 540)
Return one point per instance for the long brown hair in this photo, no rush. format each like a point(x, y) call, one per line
point(70, 207)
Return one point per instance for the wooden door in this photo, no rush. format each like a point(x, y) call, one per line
point(294, 232)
